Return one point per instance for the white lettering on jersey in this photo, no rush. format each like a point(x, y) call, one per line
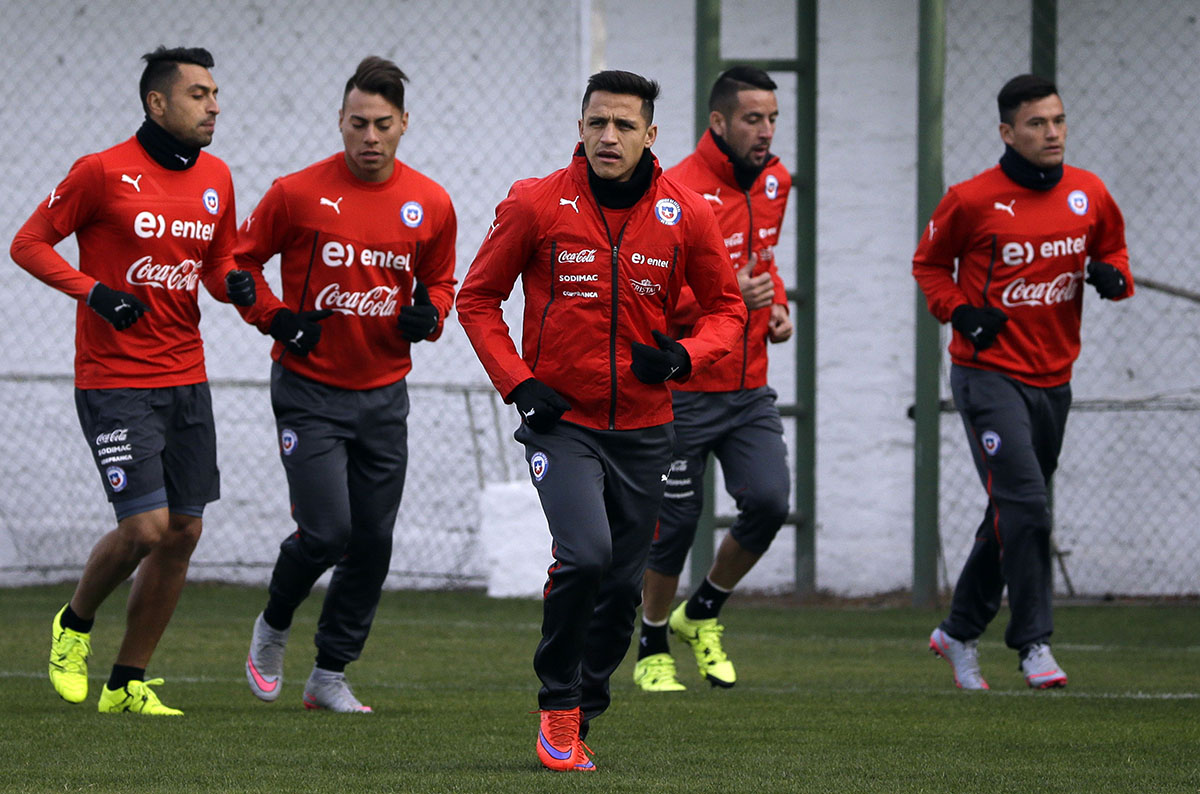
point(645, 287)
point(134, 182)
point(736, 240)
point(585, 255)
point(148, 224)
point(1014, 253)
point(335, 254)
point(145, 272)
point(767, 231)
point(575, 277)
point(327, 203)
point(639, 258)
point(1061, 289)
point(373, 302)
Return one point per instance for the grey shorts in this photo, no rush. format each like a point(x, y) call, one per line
point(153, 447)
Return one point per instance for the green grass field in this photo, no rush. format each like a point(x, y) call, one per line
point(829, 700)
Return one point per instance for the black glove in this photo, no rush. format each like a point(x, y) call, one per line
point(299, 332)
point(420, 319)
point(980, 325)
point(1107, 280)
point(119, 308)
point(239, 286)
point(541, 407)
point(660, 364)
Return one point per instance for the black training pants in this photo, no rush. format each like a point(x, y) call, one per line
point(1015, 432)
point(601, 492)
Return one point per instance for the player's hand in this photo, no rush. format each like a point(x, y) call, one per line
point(660, 364)
point(419, 320)
point(119, 308)
point(757, 291)
point(541, 406)
point(779, 327)
point(299, 332)
point(980, 325)
point(1107, 280)
point(239, 286)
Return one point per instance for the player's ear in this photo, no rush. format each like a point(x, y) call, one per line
point(651, 135)
point(156, 103)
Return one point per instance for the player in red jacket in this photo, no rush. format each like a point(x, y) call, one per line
point(727, 409)
point(1026, 235)
point(603, 248)
point(366, 248)
point(154, 216)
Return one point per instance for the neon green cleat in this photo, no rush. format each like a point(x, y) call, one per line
point(69, 652)
point(136, 697)
point(656, 673)
point(705, 638)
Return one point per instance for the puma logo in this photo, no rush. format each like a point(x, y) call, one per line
point(249, 220)
point(1005, 207)
point(134, 182)
point(529, 414)
point(492, 228)
point(714, 197)
point(572, 202)
point(295, 340)
point(932, 230)
point(327, 203)
point(53, 198)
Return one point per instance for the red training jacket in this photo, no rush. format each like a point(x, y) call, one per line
point(1022, 251)
point(587, 300)
point(354, 247)
point(750, 222)
point(142, 229)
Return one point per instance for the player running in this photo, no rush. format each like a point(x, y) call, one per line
point(603, 248)
point(727, 409)
point(154, 216)
point(367, 263)
point(1025, 235)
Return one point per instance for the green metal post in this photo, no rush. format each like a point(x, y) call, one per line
point(1043, 40)
point(930, 89)
point(708, 67)
point(803, 207)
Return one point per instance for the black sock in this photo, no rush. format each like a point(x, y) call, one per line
point(653, 640)
point(70, 620)
point(123, 674)
point(327, 662)
point(706, 602)
point(276, 616)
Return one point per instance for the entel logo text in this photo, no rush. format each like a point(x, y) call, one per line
point(638, 259)
point(767, 231)
point(148, 224)
point(1015, 253)
point(335, 254)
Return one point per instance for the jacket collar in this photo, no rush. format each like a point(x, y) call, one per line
point(578, 171)
point(719, 162)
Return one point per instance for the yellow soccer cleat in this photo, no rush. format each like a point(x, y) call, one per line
point(704, 636)
point(136, 697)
point(69, 652)
point(656, 673)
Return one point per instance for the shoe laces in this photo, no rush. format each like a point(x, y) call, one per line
point(710, 640)
point(561, 727)
point(143, 694)
point(75, 648)
point(660, 666)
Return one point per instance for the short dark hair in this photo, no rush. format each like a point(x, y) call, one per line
point(376, 75)
point(723, 98)
point(615, 81)
point(1022, 88)
point(162, 68)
